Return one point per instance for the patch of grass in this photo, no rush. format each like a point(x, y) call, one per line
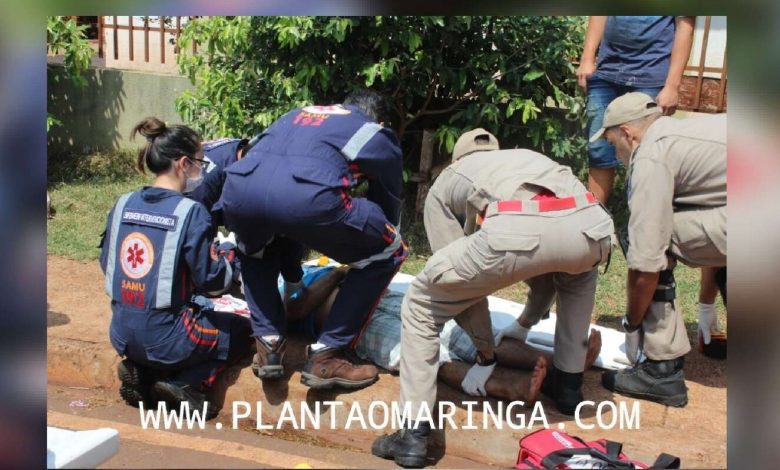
point(82, 207)
point(96, 167)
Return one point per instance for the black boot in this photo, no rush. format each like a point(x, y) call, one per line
point(136, 381)
point(717, 347)
point(408, 447)
point(659, 381)
point(565, 388)
point(175, 393)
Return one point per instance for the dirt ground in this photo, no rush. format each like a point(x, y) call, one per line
point(697, 432)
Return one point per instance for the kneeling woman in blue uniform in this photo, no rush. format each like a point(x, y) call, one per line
point(156, 254)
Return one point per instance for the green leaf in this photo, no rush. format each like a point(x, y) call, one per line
point(532, 75)
point(370, 74)
point(414, 41)
point(450, 142)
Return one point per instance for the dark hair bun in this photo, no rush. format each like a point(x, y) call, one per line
point(165, 144)
point(150, 128)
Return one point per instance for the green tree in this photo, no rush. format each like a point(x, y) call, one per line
point(511, 75)
point(64, 36)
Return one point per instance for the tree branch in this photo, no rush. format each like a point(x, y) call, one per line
point(424, 107)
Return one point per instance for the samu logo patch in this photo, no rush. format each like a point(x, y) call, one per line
point(136, 255)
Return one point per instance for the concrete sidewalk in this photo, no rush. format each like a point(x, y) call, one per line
point(79, 354)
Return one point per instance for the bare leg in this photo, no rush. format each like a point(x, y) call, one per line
point(600, 182)
point(594, 348)
point(709, 288)
point(519, 355)
point(315, 295)
point(504, 383)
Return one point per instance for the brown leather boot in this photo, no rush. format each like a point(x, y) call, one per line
point(267, 363)
point(328, 367)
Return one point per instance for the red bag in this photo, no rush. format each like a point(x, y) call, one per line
point(557, 450)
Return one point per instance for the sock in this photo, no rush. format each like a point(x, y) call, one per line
point(706, 308)
point(317, 346)
point(709, 309)
point(270, 339)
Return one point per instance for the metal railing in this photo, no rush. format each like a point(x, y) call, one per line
point(162, 28)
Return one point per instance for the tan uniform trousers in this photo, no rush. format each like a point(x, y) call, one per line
point(698, 239)
point(558, 250)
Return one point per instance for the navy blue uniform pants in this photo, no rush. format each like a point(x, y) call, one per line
point(341, 239)
point(195, 353)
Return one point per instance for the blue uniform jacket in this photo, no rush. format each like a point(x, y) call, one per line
point(335, 148)
point(220, 153)
point(155, 254)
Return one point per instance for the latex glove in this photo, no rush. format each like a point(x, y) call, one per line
point(632, 345)
point(514, 330)
point(708, 322)
point(230, 237)
point(476, 377)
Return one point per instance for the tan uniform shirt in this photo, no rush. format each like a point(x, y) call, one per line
point(465, 188)
point(679, 166)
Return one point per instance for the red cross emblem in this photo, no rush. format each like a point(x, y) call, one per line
point(137, 255)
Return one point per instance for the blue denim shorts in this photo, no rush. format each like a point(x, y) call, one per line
point(601, 154)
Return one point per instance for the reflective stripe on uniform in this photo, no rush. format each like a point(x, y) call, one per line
point(168, 256)
point(356, 143)
point(116, 220)
point(228, 281)
point(382, 255)
point(545, 205)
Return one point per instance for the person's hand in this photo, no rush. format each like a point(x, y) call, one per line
point(585, 70)
point(226, 248)
point(708, 324)
point(476, 378)
point(514, 330)
point(668, 99)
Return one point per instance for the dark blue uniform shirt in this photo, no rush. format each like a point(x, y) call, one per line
point(155, 254)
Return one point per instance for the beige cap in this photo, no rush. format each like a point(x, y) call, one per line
point(474, 141)
point(626, 108)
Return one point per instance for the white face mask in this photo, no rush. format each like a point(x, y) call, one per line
point(192, 183)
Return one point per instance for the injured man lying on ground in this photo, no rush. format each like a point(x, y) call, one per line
point(521, 368)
